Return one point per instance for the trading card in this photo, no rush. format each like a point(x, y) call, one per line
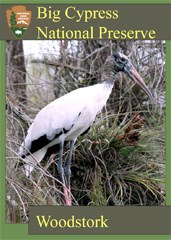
point(85, 119)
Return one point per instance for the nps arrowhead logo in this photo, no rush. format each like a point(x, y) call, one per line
point(18, 19)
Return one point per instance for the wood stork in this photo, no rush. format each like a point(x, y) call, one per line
point(69, 116)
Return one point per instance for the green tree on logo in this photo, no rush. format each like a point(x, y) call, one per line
point(13, 20)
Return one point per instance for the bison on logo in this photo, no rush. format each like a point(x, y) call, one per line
point(18, 19)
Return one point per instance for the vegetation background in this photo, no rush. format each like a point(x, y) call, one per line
point(121, 160)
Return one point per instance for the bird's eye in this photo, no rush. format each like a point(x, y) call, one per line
point(123, 59)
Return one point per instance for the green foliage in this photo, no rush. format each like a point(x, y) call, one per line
point(13, 20)
point(131, 172)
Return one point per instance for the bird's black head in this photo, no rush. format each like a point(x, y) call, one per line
point(118, 62)
point(121, 62)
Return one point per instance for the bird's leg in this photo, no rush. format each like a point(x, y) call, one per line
point(68, 164)
point(60, 167)
point(61, 173)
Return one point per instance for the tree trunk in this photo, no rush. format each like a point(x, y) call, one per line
point(16, 73)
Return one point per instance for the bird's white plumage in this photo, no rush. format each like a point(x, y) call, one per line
point(74, 111)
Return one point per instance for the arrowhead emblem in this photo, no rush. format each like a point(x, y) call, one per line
point(18, 19)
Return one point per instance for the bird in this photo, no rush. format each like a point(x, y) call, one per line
point(66, 118)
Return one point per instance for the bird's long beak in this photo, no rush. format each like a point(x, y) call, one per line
point(134, 75)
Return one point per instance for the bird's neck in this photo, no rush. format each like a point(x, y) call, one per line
point(108, 81)
point(109, 73)
point(107, 86)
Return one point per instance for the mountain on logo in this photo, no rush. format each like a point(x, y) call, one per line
point(18, 19)
point(22, 22)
